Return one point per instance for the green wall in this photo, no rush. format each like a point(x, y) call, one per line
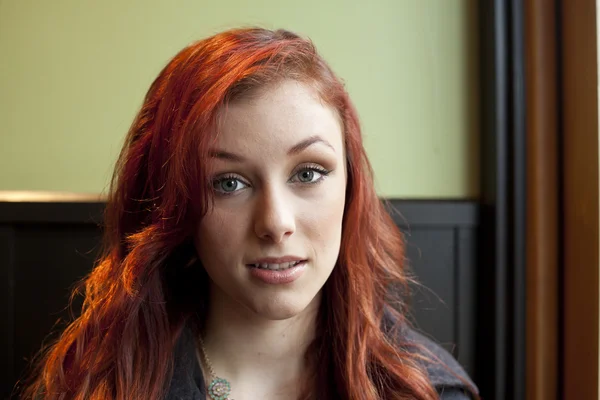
point(73, 74)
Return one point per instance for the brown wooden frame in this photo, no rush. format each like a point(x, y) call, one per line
point(542, 201)
point(580, 199)
point(539, 311)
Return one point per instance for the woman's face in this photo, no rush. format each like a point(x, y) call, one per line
point(273, 236)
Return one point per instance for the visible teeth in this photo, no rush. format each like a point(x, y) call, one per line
point(275, 267)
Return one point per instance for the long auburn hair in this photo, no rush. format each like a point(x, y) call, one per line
point(121, 346)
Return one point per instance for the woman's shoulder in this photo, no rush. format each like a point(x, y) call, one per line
point(445, 373)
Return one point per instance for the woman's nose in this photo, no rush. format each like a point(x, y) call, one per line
point(274, 216)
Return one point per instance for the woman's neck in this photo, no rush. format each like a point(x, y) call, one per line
point(256, 354)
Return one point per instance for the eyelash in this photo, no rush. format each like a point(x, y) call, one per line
point(316, 168)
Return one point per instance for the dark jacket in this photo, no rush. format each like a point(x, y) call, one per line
point(188, 382)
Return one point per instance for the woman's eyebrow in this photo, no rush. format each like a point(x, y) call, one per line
point(295, 149)
point(225, 155)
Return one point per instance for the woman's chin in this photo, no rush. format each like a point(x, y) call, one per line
point(280, 309)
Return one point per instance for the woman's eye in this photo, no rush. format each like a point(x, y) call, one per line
point(310, 175)
point(306, 176)
point(228, 185)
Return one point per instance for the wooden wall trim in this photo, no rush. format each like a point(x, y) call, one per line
point(579, 139)
point(68, 210)
point(542, 201)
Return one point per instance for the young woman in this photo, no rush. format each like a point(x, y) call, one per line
point(247, 253)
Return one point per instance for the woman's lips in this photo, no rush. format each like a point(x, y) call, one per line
point(278, 274)
point(276, 260)
point(276, 266)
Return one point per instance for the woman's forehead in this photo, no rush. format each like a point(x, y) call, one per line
point(280, 116)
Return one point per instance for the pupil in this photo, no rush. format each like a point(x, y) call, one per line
point(307, 176)
point(229, 185)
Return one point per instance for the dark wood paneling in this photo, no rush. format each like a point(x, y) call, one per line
point(7, 284)
point(431, 255)
point(446, 306)
point(51, 212)
point(52, 259)
point(434, 213)
point(466, 285)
